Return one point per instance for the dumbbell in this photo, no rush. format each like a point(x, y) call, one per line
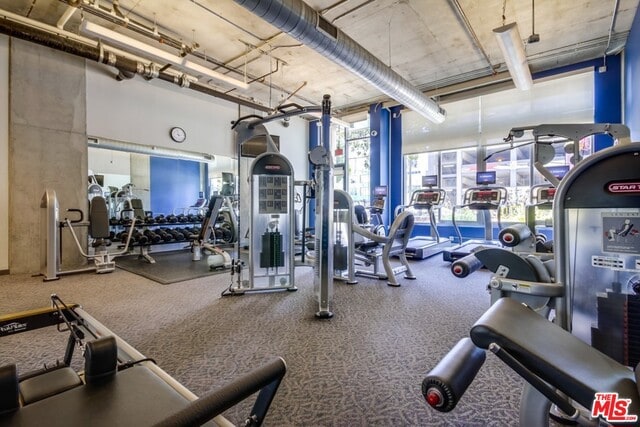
point(176, 235)
point(139, 238)
point(153, 237)
point(164, 235)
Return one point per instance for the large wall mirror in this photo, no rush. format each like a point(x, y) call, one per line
point(166, 183)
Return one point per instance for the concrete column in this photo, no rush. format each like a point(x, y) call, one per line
point(4, 154)
point(47, 147)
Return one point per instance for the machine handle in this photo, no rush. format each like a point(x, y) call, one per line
point(264, 379)
point(446, 383)
point(78, 211)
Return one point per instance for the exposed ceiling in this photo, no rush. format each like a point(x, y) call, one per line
point(433, 44)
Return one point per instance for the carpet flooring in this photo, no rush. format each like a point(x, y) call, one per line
point(363, 367)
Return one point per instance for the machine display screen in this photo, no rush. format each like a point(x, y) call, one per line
point(427, 198)
point(485, 196)
point(430, 180)
point(559, 171)
point(485, 178)
point(546, 194)
point(380, 190)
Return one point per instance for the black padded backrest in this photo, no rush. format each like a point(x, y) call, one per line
point(98, 218)
point(361, 214)
point(138, 208)
point(226, 190)
point(100, 360)
point(9, 391)
point(213, 207)
point(400, 233)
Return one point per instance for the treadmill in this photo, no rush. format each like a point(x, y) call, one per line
point(429, 198)
point(484, 198)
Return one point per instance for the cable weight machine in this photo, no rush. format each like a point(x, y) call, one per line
point(272, 223)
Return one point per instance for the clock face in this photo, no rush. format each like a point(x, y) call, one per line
point(178, 134)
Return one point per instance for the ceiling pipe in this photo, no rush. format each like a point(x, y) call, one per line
point(306, 25)
point(54, 38)
point(128, 147)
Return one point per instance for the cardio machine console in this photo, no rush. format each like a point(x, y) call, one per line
point(546, 194)
point(483, 196)
point(426, 199)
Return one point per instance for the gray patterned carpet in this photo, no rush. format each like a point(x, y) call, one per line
point(363, 367)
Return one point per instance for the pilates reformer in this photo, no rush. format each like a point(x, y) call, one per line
point(118, 386)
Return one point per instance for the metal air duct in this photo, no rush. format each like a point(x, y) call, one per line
point(303, 23)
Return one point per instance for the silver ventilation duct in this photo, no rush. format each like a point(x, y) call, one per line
point(303, 23)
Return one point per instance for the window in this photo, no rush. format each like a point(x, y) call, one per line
point(358, 170)
point(471, 140)
point(417, 166)
point(513, 171)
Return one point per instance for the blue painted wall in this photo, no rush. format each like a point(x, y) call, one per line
point(175, 184)
point(396, 177)
point(607, 100)
point(379, 155)
point(632, 80)
point(314, 141)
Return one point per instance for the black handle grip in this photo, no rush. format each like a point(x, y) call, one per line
point(446, 383)
point(265, 379)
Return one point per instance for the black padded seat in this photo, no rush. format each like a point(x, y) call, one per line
point(48, 384)
point(553, 354)
point(134, 397)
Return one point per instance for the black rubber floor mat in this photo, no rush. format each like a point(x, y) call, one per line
point(170, 267)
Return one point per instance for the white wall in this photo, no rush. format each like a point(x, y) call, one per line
point(143, 112)
point(4, 153)
point(488, 119)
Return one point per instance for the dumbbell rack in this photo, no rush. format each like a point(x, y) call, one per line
point(158, 231)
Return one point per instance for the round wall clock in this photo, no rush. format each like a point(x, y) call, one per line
point(178, 134)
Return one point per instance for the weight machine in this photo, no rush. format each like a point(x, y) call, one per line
point(378, 248)
point(343, 242)
point(592, 342)
point(98, 226)
point(218, 258)
point(272, 227)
